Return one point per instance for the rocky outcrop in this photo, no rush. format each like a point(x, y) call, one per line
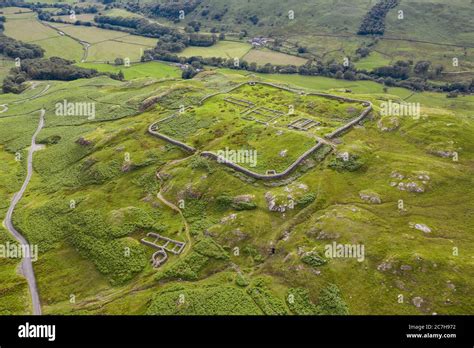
point(388, 124)
point(243, 199)
point(410, 187)
point(417, 301)
point(443, 153)
point(83, 142)
point(416, 182)
point(384, 266)
point(420, 227)
point(371, 197)
point(271, 203)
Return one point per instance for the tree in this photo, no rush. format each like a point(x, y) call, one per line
point(302, 49)
point(188, 73)
point(121, 76)
point(349, 75)
point(422, 67)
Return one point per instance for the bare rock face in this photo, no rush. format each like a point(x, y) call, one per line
point(451, 286)
point(415, 182)
point(405, 267)
point(148, 198)
point(239, 234)
point(400, 284)
point(397, 175)
point(420, 227)
point(410, 187)
point(443, 153)
point(271, 203)
point(270, 199)
point(189, 192)
point(243, 199)
point(231, 217)
point(384, 266)
point(327, 235)
point(83, 142)
point(388, 124)
point(149, 103)
point(126, 167)
point(371, 197)
point(417, 301)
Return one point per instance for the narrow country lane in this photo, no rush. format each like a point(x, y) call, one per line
point(26, 265)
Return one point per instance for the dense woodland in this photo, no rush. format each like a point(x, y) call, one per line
point(374, 21)
point(171, 9)
point(54, 68)
point(17, 49)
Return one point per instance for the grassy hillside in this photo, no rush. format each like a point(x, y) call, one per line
point(328, 29)
point(400, 186)
point(116, 205)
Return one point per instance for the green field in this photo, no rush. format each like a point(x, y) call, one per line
point(261, 57)
point(224, 49)
point(28, 29)
point(375, 60)
point(5, 66)
point(151, 69)
point(84, 17)
point(106, 45)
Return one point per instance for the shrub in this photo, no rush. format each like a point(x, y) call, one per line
point(240, 280)
point(352, 164)
point(331, 302)
point(186, 268)
point(299, 302)
point(306, 199)
point(244, 206)
point(199, 162)
point(313, 259)
point(224, 201)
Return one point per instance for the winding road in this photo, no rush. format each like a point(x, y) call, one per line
point(26, 265)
